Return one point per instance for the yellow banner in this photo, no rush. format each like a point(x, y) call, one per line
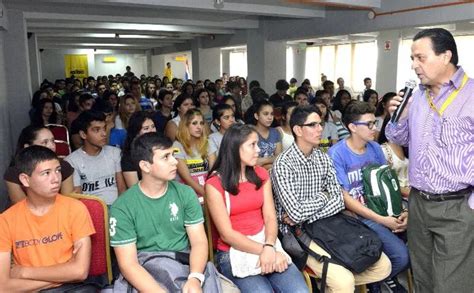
point(76, 65)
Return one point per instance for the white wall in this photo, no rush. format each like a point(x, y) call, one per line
point(52, 62)
point(159, 62)
point(137, 62)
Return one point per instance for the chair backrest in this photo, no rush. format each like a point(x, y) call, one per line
point(59, 131)
point(211, 232)
point(100, 252)
point(63, 149)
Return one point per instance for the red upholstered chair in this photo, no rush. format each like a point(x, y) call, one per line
point(63, 149)
point(59, 131)
point(100, 257)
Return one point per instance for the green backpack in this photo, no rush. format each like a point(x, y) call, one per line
point(382, 190)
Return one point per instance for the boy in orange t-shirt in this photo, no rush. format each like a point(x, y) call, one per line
point(48, 234)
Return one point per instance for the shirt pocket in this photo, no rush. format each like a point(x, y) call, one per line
point(455, 131)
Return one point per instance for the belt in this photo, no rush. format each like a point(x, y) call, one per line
point(444, 196)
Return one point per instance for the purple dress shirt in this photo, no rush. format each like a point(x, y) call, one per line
point(441, 148)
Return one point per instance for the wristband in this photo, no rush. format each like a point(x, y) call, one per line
point(269, 245)
point(198, 276)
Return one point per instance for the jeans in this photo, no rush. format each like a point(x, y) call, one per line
point(393, 247)
point(290, 280)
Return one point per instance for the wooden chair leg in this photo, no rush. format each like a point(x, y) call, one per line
point(410, 280)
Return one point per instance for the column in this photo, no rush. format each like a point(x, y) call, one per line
point(266, 59)
point(35, 64)
point(225, 62)
point(299, 63)
point(205, 61)
point(149, 68)
point(6, 148)
point(387, 47)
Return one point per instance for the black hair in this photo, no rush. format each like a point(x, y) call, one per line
point(300, 114)
point(179, 101)
point(282, 85)
point(367, 79)
point(284, 111)
point(237, 113)
point(258, 94)
point(441, 41)
point(228, 162)
point(107, 95)
point(185, 85)
point(72, 105)
point(197, 94)
point(319, 100)
point(293, 80)
point(37, 118)
point(382, 137)
point(327, 83)
point(85, 97)
point(381, 105)
point(135, 124)
point(368, 93)
point(85, 119)
point(354, 110)
point(337, 104)
point(144, 145)
point(102, 105)
point(219, 110)
point(254, 84)
point(162, 94)
point(27, 136)
point(28, 158)
point(257, 108)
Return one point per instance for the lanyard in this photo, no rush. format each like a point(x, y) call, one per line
point(448, 101)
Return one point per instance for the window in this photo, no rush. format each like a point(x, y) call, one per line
point(343, 64)
point(312, 71)
point(238, 63)
point(289, 63)
point(364, 65)
point(327, 61)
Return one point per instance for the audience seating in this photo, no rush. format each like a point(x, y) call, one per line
point(61, 138)
point(100, 268)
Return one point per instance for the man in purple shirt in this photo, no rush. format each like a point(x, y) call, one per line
point(438, 127)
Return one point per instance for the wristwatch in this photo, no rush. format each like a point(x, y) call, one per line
point(198, 276)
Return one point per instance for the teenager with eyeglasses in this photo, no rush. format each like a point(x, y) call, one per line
point(350, 156)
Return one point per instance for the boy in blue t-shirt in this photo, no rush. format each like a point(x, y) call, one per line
point(350, 156)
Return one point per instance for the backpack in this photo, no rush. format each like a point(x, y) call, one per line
point(349, 242)
point(382, 190)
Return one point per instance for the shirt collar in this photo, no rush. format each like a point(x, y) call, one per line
point(299, 154)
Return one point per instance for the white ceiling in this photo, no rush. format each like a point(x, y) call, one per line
point(148, 24)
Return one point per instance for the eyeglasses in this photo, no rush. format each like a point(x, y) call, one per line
point(369, 124)
point(312, 124)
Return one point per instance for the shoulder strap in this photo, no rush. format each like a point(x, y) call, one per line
point(389, 154)
point(227, 201)
point(302, 238)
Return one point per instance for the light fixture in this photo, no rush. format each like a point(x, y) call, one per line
point(219, 4)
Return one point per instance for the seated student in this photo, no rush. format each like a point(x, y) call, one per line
point(329, 136)
point(139, 124)
point(47, 234)
point(350, 156)
point(158, 215)
point(96, 165)
point(223, 118)
point(35, 135)
point(248, 211)
point(287, 138)
point(163, 113)
point(86, 101)
point(269, 138)
point(306, 190)
point(180, 106)
point(192, 151)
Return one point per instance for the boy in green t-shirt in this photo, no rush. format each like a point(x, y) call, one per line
point(157, 215)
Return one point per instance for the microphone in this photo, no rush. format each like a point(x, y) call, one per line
point(408, 90)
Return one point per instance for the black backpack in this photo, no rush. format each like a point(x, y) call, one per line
point(349, 242)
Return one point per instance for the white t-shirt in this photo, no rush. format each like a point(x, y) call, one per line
point(96, 174)
point(215, 140)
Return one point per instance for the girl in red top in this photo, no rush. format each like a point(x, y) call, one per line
point(251, 212)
